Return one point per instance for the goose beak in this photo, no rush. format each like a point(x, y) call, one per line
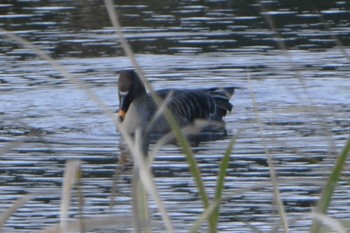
point(121, 114)
point(123, 105)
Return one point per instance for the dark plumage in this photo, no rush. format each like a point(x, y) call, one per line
point(137, 108)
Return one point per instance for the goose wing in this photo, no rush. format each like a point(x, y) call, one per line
point(196, 104)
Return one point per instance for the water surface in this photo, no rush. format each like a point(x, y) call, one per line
point(302, 101)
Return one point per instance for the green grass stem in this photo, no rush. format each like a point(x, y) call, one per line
point(328, 190)
point(183, 142)
point(221, 179)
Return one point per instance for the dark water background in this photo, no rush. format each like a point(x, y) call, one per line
point(302, 96)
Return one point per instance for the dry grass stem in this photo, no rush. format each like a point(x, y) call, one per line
point(9, 212)
point(330, 222)
point(92, 223)
point(70, 177)
point(277, 195)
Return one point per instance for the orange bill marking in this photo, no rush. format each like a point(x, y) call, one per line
point(121, 114)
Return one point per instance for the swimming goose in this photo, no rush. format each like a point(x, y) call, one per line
point(137, 109)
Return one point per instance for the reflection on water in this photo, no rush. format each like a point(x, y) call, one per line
point(82, 28)
point(302, 99)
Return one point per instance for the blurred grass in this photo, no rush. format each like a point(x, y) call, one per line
point(328, 190)
point(10, 211)
point(334, 177)
point(222, 173)
point(273, 176)
point(71, 176)
point(181, 139)
point(329, 224)
point(211, 207)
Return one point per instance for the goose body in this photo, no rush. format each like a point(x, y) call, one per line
point(137, 109)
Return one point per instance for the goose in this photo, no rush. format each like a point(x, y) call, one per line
point(137, 108)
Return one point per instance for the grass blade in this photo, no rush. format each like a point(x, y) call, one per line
point(328, 190)
point(221, 179)
point(273, 176)
point(175, 127)
point(331, 223)
point(70, 177)
point(205, 215)
point(9, 212)
point(91, 224)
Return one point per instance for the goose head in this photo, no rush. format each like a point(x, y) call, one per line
point(130, 88)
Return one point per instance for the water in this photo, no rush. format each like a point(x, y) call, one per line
point(302, 100)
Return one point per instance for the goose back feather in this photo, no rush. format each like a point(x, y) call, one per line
point(137, 109)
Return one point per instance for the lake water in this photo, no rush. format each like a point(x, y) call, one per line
point(302, 96)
